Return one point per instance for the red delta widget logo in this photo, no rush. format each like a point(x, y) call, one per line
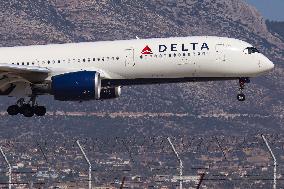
point(147, 50)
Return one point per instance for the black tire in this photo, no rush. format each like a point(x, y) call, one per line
point(27, 110)
point(13, 110)
point(40, 110)
point(241, 97)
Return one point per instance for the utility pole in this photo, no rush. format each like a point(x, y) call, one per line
point(89, 163)
point(180, 163)
point(9, 166)
point(274, 160)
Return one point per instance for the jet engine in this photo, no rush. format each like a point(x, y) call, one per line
point(76, 86)
point(110, 93)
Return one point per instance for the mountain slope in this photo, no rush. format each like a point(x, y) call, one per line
point(276, 28)
point(110, 20)
point(32, 22)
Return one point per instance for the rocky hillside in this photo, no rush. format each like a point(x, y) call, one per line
point(40, 22)
point(277, 28)
point(58, 21)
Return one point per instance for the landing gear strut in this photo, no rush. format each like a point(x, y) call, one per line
point(28, 109)
point(241, 96)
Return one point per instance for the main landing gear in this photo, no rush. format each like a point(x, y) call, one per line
point(27, 109)
point(241, 96)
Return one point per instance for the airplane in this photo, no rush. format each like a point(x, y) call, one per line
point(98, 70)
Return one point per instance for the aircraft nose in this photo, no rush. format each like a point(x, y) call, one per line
point(267, 65)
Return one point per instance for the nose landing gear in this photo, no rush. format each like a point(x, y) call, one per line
point(241, 96)
point(27, 109)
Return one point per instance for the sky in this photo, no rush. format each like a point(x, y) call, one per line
point(270, 9)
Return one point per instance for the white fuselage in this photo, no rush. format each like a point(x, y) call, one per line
point(181, 57)
point(97, 70)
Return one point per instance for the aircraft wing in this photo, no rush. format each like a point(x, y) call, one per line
point(32, 74)
point(15, 80)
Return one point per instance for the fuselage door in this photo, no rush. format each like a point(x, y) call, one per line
point(220, 52)
point(129, 57)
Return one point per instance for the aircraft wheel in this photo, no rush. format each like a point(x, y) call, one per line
point(27, 110)
point(13, 110)
point(40, 110)
point(241, 97)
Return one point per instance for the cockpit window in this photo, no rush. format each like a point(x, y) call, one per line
point(251, 50)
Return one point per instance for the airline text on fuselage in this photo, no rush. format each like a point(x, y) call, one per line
point(183, 47)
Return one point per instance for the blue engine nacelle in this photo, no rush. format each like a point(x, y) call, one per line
point(76, 86)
